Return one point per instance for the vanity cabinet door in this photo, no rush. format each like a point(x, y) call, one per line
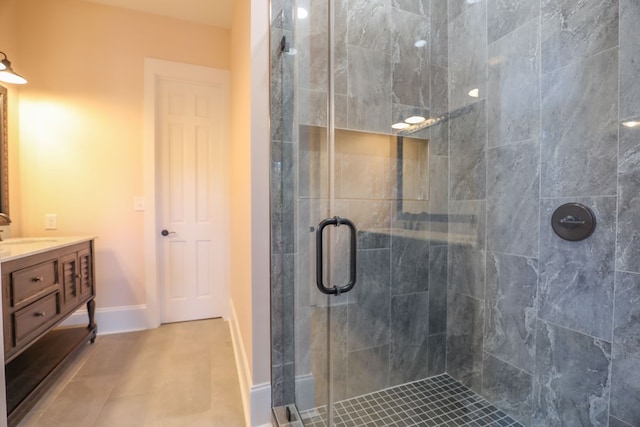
point(85, 273)
point(70, 273)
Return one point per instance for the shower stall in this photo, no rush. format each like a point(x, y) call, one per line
point(419, 151)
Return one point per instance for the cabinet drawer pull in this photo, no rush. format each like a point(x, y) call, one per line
point(40, 314)
point(38, 279)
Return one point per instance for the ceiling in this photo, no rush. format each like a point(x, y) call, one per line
point(210, 12)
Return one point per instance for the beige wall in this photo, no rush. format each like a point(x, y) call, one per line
point(80, 151)
point(250, 201)
point(240, 166)
point(81, 125)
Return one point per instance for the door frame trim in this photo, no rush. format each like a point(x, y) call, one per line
point(154, 70)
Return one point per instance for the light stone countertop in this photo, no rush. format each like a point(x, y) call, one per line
point(19, 247)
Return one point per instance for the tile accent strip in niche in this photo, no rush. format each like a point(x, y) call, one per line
point(435, 401)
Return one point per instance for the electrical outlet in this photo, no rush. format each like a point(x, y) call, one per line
point(138, 203)
point(50, 222)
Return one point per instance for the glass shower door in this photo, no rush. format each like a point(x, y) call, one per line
point(360, 285)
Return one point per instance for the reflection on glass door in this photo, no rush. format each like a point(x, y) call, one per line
point(361, 202)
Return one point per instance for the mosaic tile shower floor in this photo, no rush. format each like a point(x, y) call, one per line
point(435, 401)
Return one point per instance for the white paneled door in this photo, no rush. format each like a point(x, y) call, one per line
point(191, 199)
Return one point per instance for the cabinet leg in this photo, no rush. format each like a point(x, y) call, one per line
point(91, 310)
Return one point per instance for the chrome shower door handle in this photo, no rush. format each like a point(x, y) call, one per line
point(336, 290)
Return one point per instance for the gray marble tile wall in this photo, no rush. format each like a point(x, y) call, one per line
point(545, 328)
point(395, 319)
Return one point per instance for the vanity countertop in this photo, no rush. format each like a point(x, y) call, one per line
point(19, 247)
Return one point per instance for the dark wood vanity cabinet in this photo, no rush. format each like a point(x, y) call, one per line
point(38, 292)
point(77, 277)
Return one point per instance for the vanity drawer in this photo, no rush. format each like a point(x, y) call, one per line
point(30, 281)
point(33, 316)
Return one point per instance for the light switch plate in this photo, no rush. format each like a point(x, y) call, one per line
point(50, 222)
point(138, 203)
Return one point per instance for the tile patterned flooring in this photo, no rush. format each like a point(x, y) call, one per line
point(435, 401)
point(181, 374)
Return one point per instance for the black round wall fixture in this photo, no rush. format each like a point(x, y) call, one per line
point(573, 221)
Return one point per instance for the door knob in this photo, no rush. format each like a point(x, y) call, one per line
point(167, 232)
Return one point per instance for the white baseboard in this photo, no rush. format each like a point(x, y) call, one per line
point(112, 320)
point(256, 399)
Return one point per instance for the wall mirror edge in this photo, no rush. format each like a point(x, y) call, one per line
point(4, 159)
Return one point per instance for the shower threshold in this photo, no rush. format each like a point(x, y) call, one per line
point(435, 401)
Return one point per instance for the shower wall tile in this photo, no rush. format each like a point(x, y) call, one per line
point(504, 16)
point(400, 112)
point(467, 143)
point(369, 217)
point(281, 16)
point(513, 205)
point(409, 332)
point(465, 317)
point(439, 91)
point(369, 303)
point(282, 91)
point(277, 315)
point(311, 178)
point(437, 289)
point(275, 201)
point(576, 278)
point(513, 98)
point(312, 110)
point(629, 64)
point(312, 54)
point(309, 214)
point(467, 55)
point(628, 250)
point(466, 272)
point(409, 319)
point(575, 30)
point(419, 7)
point(282, 198)
point(467, 226)
point(439, 140)
point(579, 128)
point(410, 67)
point(300, 322)
point(369, 24)
point(321, 324)
point(277, 390)
point(409, 265)
point(614, 422)
point(510, 309)
point(368, 370)
point(369, 104)
point(437, 354)
point(438, 186)
point(438, 13)
point(340, 50)
point(625, 372)
point(457, 7)
point(509, 388)
point(407, 363)
point(341, 111)
point(571, 384)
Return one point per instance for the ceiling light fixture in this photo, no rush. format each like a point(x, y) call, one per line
point(631, 123)
point(400, 126)
point(474, 93)
point(414, 120)
point(7, 74)
point(302, 13)
point(420, 43)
